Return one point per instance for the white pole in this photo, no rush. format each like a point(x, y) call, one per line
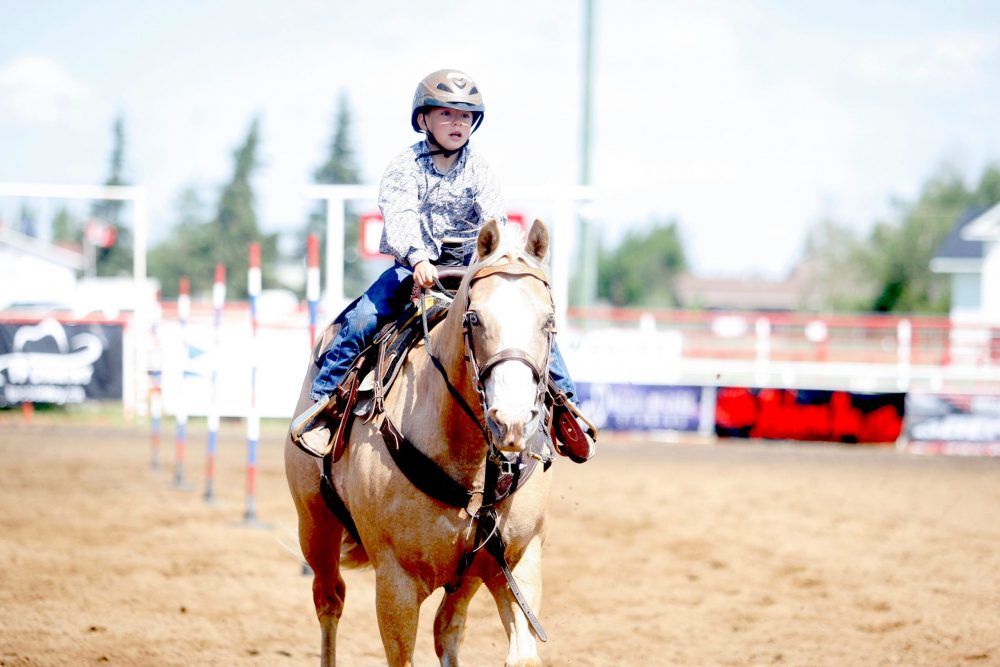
point(140, 316)
point(334, 253)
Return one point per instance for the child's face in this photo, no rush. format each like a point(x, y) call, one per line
point(451, 127)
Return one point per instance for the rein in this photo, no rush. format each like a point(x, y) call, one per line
point(503, 476)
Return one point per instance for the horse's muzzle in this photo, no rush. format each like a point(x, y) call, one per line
point(511, 432)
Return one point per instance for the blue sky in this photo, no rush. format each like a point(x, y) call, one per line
point(746, 121)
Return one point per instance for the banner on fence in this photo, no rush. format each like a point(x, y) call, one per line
point(787, 414)
point(960, 424)
point(51, 362)
point(638, 407)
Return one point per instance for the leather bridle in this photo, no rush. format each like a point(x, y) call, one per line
point(480, 372)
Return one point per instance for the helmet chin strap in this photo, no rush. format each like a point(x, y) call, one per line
point(440, 150)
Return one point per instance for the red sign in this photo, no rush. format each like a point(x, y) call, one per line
point(371, 235)
point(371, 232)
point(100, 233)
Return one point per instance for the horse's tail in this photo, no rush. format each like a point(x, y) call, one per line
point(352, 553)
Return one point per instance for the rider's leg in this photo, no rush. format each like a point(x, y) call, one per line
point(560, 374)
point(359, 324)
point(583, 446)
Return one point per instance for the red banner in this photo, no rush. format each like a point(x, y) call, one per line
point(830, 416)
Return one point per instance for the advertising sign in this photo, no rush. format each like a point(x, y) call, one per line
point(51, 362)
point(638, 407)
point(953, 424)
point(801, 414)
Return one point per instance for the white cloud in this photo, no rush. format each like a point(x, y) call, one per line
point(37, 90)
point(953, 59)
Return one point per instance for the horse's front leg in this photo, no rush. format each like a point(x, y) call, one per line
point(527, 572)
point(397, 602)
point(449, 623)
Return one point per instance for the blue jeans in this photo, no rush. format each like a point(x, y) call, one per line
point(366, 315)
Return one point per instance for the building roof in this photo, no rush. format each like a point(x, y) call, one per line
point(717, 293)
point(985, 227)
point(956, 253)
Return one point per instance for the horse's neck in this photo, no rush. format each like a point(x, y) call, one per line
point(430, 416)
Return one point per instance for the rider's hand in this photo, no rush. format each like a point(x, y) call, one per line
point(424, 274)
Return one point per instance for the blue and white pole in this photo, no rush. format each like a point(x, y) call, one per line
point(155, 385)
point(218, 301)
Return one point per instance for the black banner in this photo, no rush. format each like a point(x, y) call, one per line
point(51, 362)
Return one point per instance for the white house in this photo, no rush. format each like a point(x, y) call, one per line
point(33, 271)
point(985, 229)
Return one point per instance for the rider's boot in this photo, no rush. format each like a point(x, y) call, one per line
point(576, 436)
point(313, 430)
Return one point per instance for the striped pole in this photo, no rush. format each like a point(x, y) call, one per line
point(183, 313)
point(218, 300)
point(253, 416)
point(155, 385)
point(312, 285)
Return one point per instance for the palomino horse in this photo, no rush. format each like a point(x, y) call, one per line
point(502, 318)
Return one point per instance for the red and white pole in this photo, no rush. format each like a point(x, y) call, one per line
point(253, 415)
point(183, 314)
point(218, 301)
point(312, 285)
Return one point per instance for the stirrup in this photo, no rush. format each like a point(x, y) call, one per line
point(313, 430)
point(578, 444)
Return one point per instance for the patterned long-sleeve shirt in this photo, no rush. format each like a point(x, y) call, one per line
point(422, 207)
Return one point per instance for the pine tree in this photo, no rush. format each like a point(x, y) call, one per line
point(117, 259)
point(201, 240)
point(27, 221)
point(340, 168)
point(235, 226)
point(65, 228)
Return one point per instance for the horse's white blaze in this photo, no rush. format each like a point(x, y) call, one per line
point(510, 386)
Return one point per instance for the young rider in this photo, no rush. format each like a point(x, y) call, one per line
point(434, 197)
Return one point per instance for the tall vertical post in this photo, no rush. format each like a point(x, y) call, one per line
point(183, 314)
point(588, 240)
point(312, 285)
point(253, 415)
point(218, 301)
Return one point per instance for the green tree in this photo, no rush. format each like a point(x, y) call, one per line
point(27, 221)
point(66, 229)
point(115, 260)
point(834, 277)
point(889, 271)
point(188, 250)
point(199, 243)
point(899, 253)
point(641, 270)
point(340, 168)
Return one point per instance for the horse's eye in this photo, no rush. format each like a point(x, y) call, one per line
point(550, 324)
point(473, 318)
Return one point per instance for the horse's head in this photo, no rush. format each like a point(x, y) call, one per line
point(509, 323)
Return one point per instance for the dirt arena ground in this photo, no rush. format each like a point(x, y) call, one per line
point(658, 554)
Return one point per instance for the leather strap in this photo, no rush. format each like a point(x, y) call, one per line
point(335, 502)
point(421, 470)
point(496, 548)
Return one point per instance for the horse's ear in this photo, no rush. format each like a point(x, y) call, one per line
point(489, 239)
point(537, 244)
